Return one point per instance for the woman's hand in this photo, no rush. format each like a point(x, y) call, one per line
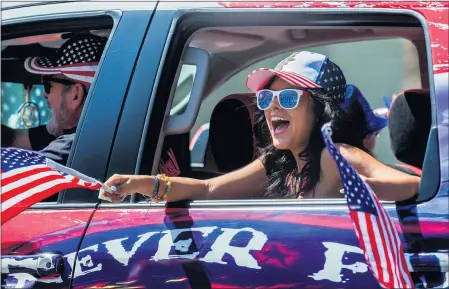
point(128, 185)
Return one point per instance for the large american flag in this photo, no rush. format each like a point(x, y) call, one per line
point(29, 177)
point(375, 230)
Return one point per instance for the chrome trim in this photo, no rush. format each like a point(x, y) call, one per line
point(281, 204)
point(61, 206)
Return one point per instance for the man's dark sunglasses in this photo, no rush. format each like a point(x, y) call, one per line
point(47, 80)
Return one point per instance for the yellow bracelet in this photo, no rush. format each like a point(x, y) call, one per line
point(167, 181)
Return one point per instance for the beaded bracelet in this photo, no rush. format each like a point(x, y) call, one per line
point(167, 181)
point(156, 188)
point(167, 189)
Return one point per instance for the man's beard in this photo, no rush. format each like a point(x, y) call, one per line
point(58, 118)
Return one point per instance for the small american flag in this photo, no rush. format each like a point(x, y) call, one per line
point(375, 231)
point(29, 177)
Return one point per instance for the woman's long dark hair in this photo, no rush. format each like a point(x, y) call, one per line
point(348, 126)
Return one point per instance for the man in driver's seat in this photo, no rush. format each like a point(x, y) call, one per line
point(66, 76)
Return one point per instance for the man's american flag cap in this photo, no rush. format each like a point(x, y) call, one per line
point(76, 59)
point(304, 69)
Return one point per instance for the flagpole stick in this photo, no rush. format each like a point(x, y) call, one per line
point(54, 165)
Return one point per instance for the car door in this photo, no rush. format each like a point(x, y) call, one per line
point(40, 245)
point(240, 243)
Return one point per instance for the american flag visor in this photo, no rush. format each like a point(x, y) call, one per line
point(83, 72)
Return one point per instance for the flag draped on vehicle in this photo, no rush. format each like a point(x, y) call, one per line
point(374, 228)
point(29, 177)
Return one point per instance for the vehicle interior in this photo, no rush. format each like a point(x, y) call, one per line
point(23, 102)
point(231, 140)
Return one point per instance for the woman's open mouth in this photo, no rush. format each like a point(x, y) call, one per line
point(279, 124)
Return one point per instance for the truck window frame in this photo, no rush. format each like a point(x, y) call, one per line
point(186, 22)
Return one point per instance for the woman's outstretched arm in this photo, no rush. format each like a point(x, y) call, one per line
point(246, 182)
point(388, 184)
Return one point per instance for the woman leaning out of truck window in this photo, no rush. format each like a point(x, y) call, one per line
point(294, 100)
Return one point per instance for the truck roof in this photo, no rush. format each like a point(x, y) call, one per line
point(17, 4)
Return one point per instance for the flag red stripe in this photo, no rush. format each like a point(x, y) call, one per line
point(374, 246)
point(387, 249)
point(405, 274)
point(391, 265)
point(11, 179)
point(28, 202)
point(363, 239)
point(392, 248)
point(396, 252)
point(294, 79)
point(87, 185)
point(404, 277)
point(291, 79)
point(355, 219)
point(302, 79)
point(27, 186)
point(397, 248)
point(29, 179)
point(384, 220)
point(297, 81)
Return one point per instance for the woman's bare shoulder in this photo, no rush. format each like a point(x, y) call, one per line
point(360, 160)
point(350, 153)
point(330, 183)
